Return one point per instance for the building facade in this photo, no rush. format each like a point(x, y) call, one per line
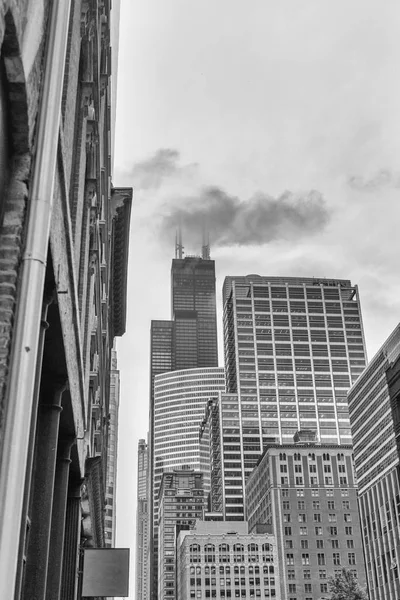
point(112, 453)
point(182, 501)
point(222, 560)
point(374, 403)
point(293, 346)
point(308, 494)
point(64, 234)
point(193, 304)
point(142, 523)
point(187, 341)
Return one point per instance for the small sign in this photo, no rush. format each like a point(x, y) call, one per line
point(105, 572)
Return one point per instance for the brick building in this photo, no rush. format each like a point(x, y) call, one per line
point(308, 493)
point(63, 267)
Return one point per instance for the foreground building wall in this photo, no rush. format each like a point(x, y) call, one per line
point(64, 245)
point(374, 403)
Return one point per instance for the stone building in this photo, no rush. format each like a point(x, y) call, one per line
point(63, 269)
point(223, 560)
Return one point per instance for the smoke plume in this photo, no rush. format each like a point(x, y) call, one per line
point(150, 174)
point(383, 179)
point(262, 219)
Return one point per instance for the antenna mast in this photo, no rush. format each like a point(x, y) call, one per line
point(178, 243)
point(205, 249)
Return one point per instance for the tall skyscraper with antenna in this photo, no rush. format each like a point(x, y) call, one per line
point(186, 343)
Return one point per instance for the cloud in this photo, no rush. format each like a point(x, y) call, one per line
point(150, 174)
point(384, 178)
point(260, 220)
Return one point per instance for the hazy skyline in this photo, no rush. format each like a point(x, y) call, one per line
point(279, 123)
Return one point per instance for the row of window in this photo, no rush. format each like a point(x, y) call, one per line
point(321, 558)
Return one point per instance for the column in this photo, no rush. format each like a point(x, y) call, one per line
point(41, 500)
point(58, 516)
point(72, 537)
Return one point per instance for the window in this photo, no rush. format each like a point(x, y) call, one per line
point(315, 492)
point(289, 559)
point(288, 544)
point(318, 531)
point(300, 492)
point(299, 481)
point(307, 574)
point(288, 531)
point(347, 517)
point(336, 558)
point(317, 518)
point(286, 518)
point(352, 558)
point(322, 574)
point(350, 543)
point(321, 558)
point(292, 588)
point(320, 544)
point(302, 518)
point(301, 505)
point(308, 588)
point(286, 505)
point(323, 587)
point(332, 530)
point(315, 504)
point(303, 530)
point(346, 504)
point(291, 574)
point(285, 493)
point(331, 505)
point(304, 544)
point(332, 518)
point(335, 543)
point(305, 559)
point(348, 530)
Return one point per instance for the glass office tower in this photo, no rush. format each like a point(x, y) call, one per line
point(194, 312)
point(293, 347)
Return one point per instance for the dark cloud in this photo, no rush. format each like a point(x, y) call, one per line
point(382, 179)
point(260, 220)
point(150, 173)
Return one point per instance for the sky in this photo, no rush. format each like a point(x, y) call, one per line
point(276, 123)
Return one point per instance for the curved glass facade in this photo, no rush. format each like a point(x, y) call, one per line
point(180, 400)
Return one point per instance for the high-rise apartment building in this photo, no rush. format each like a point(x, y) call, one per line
point(293, 346)
point(308, 493)
point(374, 403)
point(182, 501)
point(142, 523)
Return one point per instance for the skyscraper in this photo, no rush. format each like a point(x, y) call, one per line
point(293, 346)
point(142, 524)
point(194, 312)
point(188, 341)
point(374, 403)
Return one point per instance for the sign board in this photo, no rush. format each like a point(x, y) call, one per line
point(105, 572)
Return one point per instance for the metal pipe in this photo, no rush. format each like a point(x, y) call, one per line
point(23, 358)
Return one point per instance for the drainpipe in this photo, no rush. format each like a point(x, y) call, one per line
point(26, 332)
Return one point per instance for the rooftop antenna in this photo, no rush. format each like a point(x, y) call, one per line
point(178, 242)
point(205, 248)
